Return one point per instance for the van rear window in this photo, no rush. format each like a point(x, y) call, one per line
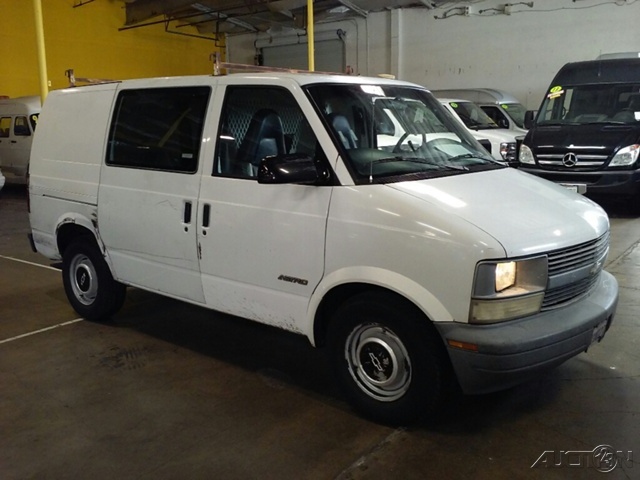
point(5, 127)
point(158, 128)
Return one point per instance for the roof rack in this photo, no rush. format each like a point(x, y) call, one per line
point(90, 81)
point(218, 66)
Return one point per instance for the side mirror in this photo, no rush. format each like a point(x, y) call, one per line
point(503, 123)
point(294, 168)
point(528, 118)
point(486, 144)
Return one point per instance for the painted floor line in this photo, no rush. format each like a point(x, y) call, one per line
point(29, 263)
point(41, 330)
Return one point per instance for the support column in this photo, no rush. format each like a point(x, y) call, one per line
point(310, 36)
point(42, 57)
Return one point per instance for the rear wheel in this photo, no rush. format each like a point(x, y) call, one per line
point(389, 360)
point(88, 282)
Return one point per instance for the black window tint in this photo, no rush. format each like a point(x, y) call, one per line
point(257, 122)
point(158, 128)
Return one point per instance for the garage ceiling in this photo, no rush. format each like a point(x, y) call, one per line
point(246, 16)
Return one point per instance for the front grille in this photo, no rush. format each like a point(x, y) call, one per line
point(571, 258)
point(583, 160)
point(580, 265)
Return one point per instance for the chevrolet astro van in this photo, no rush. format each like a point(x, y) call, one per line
point(354, 211)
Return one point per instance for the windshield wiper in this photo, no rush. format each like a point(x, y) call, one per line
point(464, 155)
point(555, 124)
point(605, 122)
point(424, 161)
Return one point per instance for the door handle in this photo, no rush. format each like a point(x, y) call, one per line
point(13, 141)
point(206, 213)
point(187, 212)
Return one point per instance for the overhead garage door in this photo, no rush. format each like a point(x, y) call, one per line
point(329, 56)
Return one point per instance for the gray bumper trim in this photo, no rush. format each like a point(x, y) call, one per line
point(512, 352)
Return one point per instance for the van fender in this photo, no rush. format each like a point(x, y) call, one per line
point(379, 277)
point(88, 221)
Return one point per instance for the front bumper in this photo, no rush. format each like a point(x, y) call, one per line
point(603, 182)
point(510, 353)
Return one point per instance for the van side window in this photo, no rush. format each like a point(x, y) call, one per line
point(258, 122)
point(158, 128)
point(5, 127)
point(21, 127)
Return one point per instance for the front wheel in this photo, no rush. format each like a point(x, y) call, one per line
point(88, 283)
point(389, 361)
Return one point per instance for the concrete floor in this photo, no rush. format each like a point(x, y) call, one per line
point(171, 391)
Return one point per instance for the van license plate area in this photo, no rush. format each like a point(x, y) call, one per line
point(575, 187)
point(598, 331)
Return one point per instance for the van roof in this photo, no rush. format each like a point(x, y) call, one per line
point(619, 70)
point(478, 95)
point(29, 103)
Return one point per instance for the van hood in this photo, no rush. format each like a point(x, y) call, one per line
point(524, 213)
point(496, 135)
point(602, 139)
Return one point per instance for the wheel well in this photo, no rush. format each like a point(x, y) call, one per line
point(69, 232)
point(336, 297)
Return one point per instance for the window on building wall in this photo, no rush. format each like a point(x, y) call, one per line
point(258, 122)
point(158, 128)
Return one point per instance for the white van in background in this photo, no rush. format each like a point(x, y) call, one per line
point(18, 119)
point(482, 127)
point(502, 107)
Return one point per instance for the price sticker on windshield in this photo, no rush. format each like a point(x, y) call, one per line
point(555, 92)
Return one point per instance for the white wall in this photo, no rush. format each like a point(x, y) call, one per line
point(519, 53)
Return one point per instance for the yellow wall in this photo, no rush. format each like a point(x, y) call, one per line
point(87, 39)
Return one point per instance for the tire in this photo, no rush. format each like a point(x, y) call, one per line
point(389, 360)
point(88, 283)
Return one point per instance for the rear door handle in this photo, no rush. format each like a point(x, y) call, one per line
point(187, 212)
point(206, 213)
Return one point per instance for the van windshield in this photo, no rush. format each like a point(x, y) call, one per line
point(516, 111)
point(389, 133)
point(472, 115)
point(591, 104)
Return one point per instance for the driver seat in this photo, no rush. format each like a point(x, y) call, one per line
point(264, 138)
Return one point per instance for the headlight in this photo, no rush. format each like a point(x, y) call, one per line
point(504, 290)
point(626, 156)
point(505, 275)
point(508, 151)
point(526, 155)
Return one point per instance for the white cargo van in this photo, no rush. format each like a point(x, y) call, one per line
point(354, 211)
point(481, 126)
point(18, 119)
point(502, 107)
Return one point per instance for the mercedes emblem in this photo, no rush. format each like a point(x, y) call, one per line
point(570, 160)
